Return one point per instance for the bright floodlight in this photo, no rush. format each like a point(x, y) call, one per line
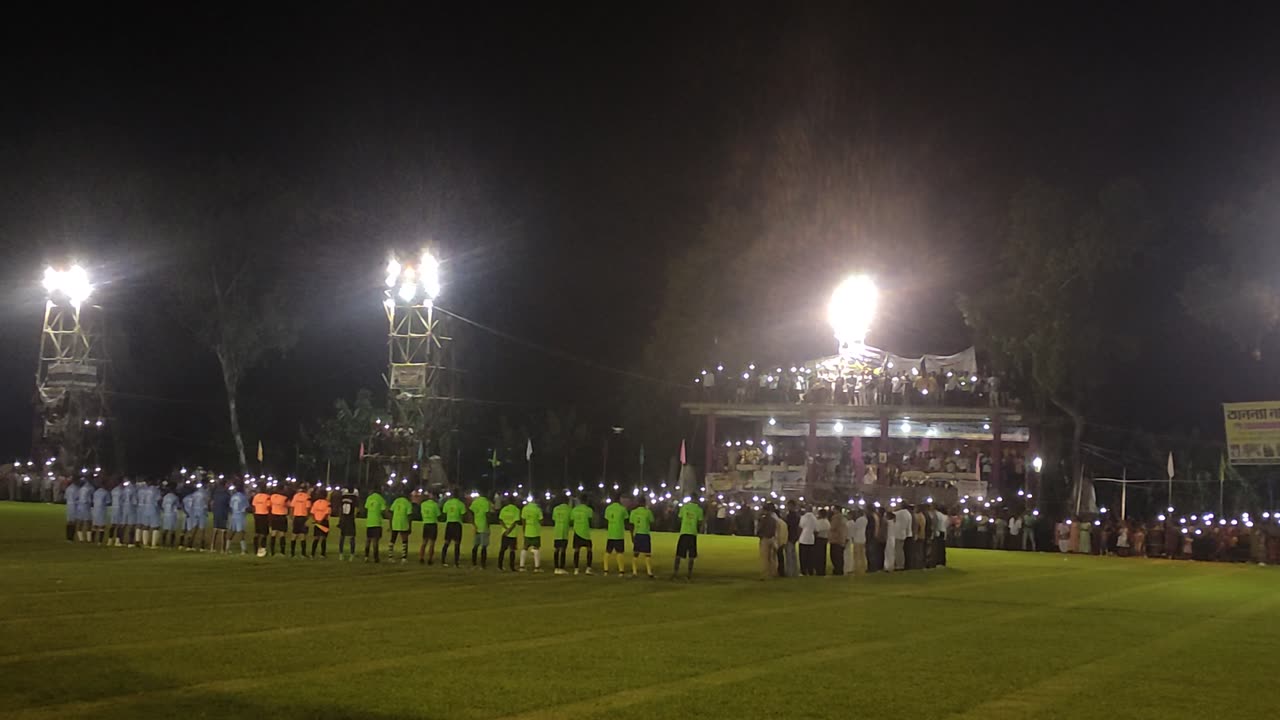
point(1037, 464)
point(409, 281)
point(72, 284)
point(852, 307)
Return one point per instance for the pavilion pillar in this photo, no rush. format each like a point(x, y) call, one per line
point(709, 448)
point(997, 455)
point(882, 452)
point(811, 453)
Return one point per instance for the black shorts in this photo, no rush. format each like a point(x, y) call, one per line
point(612, 546)
point(347, 527)
point(219, 522)
point(508, 543)
point(261, 523)
point(373, 531)
point(299, 525)
point(280, 523)
point(580, 542)
point(453, 532)
point(561, 544)
point(320, 529)
point(687, 546)
point(430, 531)
point(641, 543)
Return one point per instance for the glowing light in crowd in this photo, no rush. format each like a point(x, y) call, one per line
point(1038, 464)
point(851, 309)
point(773, 421)
point(73, 284)
point(839, 427)
point(768, 450)
point(906, 427)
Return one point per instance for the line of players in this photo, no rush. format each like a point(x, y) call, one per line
point(139, 514)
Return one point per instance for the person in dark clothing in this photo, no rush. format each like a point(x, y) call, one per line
point(791, 559)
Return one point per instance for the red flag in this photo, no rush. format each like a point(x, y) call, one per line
point(361, 451)
point(683, 458)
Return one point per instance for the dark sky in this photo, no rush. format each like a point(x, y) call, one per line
point(582, 146)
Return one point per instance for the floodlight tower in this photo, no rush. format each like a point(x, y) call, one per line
point(71, 408)
point(420, 377)
point(851, 310)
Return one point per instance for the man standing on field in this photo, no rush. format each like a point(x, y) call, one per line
point(480, 508)
point(261, 521)
point(301, 505)
point(238, 504)
point(581, 516)
point(615, 516)
point(429, 510)
point(401, 525)
point(454, 510)
point(641, 542)
point(509, 519)
point(560, 534)
point(348, 507)
point(279, 520)
point(531, 518)
point(374, 507)
point(687, 546)
point(320, 511)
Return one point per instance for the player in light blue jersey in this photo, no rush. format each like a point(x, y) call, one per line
point(130, 498)
point(69, 496)
point(84, 500)
point(115, 530)
point(98, 513)
point(169, 505)
point(239, 505)
point(148, 515)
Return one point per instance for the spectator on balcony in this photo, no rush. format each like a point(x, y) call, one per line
point(993, 390)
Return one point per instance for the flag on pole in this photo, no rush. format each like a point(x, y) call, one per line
point(493, 461)
point(528, 451)
point(1170, 468)
point(684, 460)
point(259, 451)
point(641, 453)
point(421, 449)
point(361, 451)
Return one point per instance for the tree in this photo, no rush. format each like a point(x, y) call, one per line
point(337, 438)
point(1052, 313)
point(231, 281)
point(563, 435)
point(1239, 292)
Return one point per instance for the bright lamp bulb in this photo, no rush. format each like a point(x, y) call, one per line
point(73, 284)
point(393, 272)
point(851, 309)
point(430, 272)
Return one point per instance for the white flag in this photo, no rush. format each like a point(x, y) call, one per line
point(528, 451)
point(1170, 465)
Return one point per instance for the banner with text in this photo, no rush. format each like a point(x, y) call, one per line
point(1253, 432)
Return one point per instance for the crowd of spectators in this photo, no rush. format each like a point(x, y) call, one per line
point(860, 386)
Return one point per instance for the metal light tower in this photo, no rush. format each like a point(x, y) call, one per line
point(420, 377)
point(71, 409)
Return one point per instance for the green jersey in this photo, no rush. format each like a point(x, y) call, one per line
point(454, 509)
point(401, 510)
point(560, 519)
point(581, 517)
point(642, 520)
point(690, 518)
point(430, 511)
point(531, 514)
point(616, 516)
point(480, 508)
point(510, 515)
point(374, 506)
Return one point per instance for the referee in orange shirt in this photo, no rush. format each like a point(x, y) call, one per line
point(301, 504)
point(279, 519)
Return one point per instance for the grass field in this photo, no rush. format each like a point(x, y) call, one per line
point(120, 633)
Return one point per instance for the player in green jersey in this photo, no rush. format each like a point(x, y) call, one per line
point(560, 533)
point(581, 517)
point(480, 509)
point(401, 524)
point(454, 510)
point(615, 516)
point(509, 519)
point(687, 546)
point(531, 519)
point(374, 506)
point(641, 543)
point(430, 512)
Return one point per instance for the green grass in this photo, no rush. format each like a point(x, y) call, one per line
point(107, 633)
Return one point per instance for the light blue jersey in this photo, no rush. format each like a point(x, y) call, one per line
point(117, 505)
point(239, 505)
point(101, 499)
point(148, 506)
point(84, 500)
point(130, 498)
point(169, 511)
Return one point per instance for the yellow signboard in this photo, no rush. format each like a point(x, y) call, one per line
point(1253, 432)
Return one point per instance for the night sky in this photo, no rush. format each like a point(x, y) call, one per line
point(560, 156)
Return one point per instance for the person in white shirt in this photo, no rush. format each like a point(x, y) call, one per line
point(858, 543)
point(902, 525)
point(808, 535)
point(1015, 532)
point(822, 536)
point(940, 529)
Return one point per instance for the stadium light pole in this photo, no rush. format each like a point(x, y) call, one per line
point(69, 387)
point(851, 310)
